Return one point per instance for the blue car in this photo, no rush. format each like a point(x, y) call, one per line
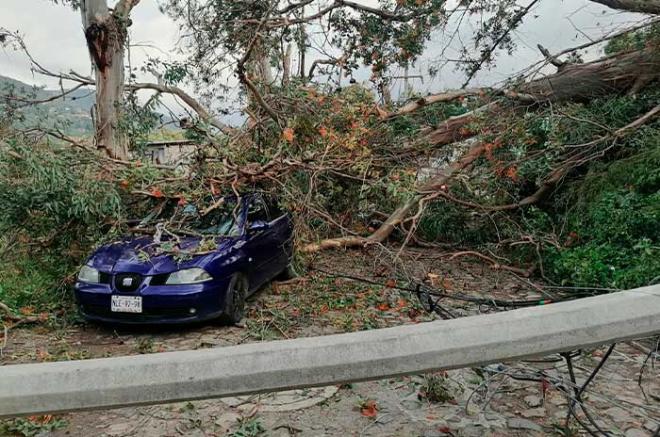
point(231, 249)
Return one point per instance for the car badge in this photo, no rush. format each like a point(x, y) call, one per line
point(127, 282)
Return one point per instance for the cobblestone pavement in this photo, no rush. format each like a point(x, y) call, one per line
point(518, 398)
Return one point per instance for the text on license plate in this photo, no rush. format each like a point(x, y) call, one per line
point(126, 304)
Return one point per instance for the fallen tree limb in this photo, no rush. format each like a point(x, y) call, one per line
point(613, 74)
point(9, 313)
point(17, 320)
point(619, 73)
point(455, 128)
point(398, 216)
point(434, 98)
point(642, 6)
point(557, 175)
point(494, 264)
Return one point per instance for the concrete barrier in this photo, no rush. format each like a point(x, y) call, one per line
point(306, 362)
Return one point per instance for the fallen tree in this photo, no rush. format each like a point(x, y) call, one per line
point(620, 73)
point(341, 161)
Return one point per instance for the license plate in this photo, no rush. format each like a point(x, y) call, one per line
point(126, 304)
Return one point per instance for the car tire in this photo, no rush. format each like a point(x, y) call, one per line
point(234, 309)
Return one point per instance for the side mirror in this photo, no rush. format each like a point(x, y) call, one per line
point(258, 226)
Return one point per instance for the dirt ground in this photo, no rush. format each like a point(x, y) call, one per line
point(518, 398)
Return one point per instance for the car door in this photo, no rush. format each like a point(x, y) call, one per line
point(282, 228)
point(261, 246)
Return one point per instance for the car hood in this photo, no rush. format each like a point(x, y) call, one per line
point(139, 255)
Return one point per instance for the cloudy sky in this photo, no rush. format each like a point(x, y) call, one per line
point(55, 37)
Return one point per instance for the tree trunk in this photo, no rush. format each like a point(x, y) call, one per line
point(302, 46)
point(286, 65)
point(105, 33)
point(622, 72)
point(643, 6)
point(260, 69)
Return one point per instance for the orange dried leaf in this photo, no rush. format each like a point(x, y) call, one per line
point(288, 134)
point(369, 409)
point(323, 132)
point(26, 311)
point(512, 173)
point(156, 192)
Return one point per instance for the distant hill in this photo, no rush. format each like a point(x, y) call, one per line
point(71, 113)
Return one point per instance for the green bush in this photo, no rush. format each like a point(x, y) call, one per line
point(600, 227)
point(615, 225)
point(36, 280)
point(55, 206)
point(43, 189)
point(447, 223)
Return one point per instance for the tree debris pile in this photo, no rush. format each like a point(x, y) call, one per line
point(555, 176)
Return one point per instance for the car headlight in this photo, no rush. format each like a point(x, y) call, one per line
point(89, 274)
point(188, 276)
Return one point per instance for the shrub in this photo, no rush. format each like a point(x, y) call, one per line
point(56, 205)
point(615, 225)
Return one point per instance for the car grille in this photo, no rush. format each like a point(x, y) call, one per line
point(127, 282)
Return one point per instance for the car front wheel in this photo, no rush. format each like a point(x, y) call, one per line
point(234, 309)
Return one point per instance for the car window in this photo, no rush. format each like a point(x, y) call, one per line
point(222, 223)
point(221, 220)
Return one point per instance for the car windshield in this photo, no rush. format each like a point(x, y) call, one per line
point(216, 217)
point(218, 222)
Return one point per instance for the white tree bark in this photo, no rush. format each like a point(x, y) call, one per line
point(105, 33)
point(643, 6)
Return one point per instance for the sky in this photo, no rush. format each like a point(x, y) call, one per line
point(54, 35)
